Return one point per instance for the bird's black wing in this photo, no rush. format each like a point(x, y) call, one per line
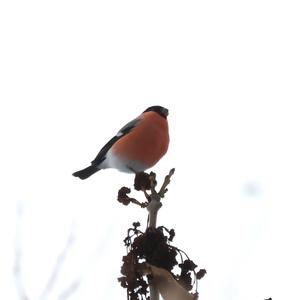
point(123, 131)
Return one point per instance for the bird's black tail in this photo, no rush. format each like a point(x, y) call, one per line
point(85, 173)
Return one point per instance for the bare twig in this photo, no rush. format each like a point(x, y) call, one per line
point(155, 197)
point(58, 265)
point(17, 271)
point(153, 207)
point(18, 255)
point(69, 291)
point(167, 181)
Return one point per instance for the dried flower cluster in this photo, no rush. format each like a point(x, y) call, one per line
point(153, 246)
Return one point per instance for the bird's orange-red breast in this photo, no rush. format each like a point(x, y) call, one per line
point(137, 146)
point(147, 142)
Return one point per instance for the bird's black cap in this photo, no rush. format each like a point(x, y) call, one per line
point(158, 109)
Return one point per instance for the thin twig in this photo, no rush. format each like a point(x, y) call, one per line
point(58, 265)
point(153, 207)
point(166, 182)
point(18, 254)
point(70, 290)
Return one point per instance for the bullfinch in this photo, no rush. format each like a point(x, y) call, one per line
point(137, 146)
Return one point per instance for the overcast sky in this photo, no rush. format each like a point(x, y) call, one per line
point(72, 73)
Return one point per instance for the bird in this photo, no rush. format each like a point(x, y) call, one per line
point(136, 147)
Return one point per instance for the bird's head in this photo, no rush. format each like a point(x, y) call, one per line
point(158, 109)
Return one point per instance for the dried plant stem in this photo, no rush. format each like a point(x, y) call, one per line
point(154, 294)
point(153, 207)
point(155, 197)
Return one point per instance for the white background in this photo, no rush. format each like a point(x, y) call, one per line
point(72, 73)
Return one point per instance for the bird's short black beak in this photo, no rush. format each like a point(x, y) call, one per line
point(166, 112)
